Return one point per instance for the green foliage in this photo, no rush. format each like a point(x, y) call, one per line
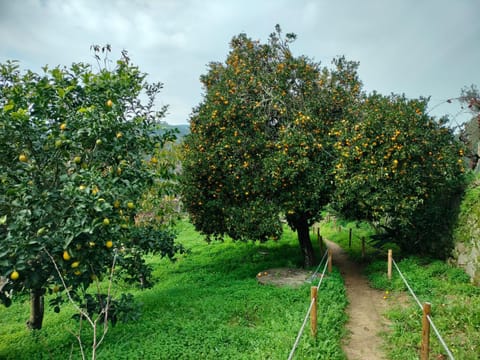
point(455, 308)
point(469, 216)
point(74, 145)
point(401, 170)
point(206, 305)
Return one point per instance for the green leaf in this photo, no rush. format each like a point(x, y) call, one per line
point(8, 107)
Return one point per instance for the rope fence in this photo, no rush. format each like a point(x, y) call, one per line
point(312, 309)
point(351, 236)
point(427, 320)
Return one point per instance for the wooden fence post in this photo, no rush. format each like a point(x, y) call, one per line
point(313, 312)
point(389, 267)
point(350, 238)
point(320, 241)
point(329, 260)
point(363, 247)
point(425, 349)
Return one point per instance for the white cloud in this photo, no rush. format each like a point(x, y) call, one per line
point(417, 47)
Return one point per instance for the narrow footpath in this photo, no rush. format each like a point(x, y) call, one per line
point(364, 311)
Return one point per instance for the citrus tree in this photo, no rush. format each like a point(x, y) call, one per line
point(75, 160)
point(401, 169)
point(261, 141)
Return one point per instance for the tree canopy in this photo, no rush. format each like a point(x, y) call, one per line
point(400, 169)
point(261, 142)
point(76, 152)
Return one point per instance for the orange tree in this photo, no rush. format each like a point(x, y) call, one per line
point(74, 161)
point(261, 141)
point(401, 169)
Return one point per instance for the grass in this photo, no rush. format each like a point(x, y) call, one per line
point(207, 305)
point(338, 231)
point(455, 308)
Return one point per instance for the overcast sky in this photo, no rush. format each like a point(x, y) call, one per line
point(417, 47)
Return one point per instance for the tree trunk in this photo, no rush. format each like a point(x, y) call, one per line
point(305, 243)
point(36, 309)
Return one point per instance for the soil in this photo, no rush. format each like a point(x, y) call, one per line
point(283, 277)
point(365, 310)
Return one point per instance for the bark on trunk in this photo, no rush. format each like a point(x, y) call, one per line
point(36, 309)
point(305, 242)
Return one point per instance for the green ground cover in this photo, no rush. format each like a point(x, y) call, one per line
point(207, 305)
point(455, 308)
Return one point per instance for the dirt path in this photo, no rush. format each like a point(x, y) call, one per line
point(365, 310)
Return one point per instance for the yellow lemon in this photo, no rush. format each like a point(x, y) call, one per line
point(14, 275)
point(66, 255)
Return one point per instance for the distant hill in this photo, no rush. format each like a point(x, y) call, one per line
point(184, 129)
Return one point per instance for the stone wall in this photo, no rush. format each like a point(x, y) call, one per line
point(466, 253)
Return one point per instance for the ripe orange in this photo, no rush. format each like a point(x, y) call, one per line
point(75, 264)
point(119, 135)
point(66, 255)
point(23, 158)
point(109, 244)
point(63, 126)
point(109, 103)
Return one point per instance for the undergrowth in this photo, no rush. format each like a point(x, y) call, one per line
point(206, 305)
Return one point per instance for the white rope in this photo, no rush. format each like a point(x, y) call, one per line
point(297, 340)
point(408, 286)
point(300, 332)
point(318, 267)
point(428, 316)
point(323, 274)
point(449, 353)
